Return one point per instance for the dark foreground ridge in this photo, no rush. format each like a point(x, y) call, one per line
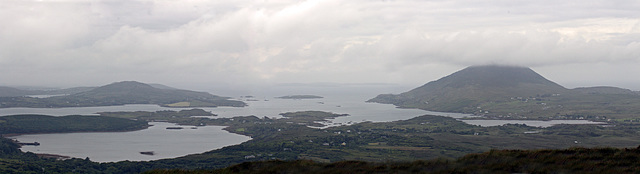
point(572, 160)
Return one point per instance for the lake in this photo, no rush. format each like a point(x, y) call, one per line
point(119, 146)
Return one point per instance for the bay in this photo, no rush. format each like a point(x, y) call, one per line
point(118, 146)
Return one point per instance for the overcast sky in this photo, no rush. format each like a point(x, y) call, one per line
point(237, 43)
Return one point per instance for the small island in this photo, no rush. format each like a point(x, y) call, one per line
point(300, 97)
point(309, 118)
point(148, 153)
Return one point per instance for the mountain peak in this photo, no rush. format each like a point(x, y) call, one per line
point(472, 86)
point(492, 76)
point(125, 86)
point(515, 93)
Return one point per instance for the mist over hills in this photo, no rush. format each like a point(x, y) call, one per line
point(513, 92)
point(126, 92)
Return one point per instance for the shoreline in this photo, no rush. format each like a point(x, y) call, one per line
point(158, 127)
point(18, 134)
point(54, 156)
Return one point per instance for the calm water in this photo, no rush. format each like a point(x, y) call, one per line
point(119, 146)
point(173, 143)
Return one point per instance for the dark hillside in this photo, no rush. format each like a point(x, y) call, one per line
point(493, 76)
point(472, 86)
point(572, 160)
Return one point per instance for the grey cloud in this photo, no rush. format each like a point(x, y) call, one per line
point(305, 41)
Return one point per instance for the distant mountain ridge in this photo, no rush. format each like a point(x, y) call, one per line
point(605, 90)
point(494, 76)
point(12, 92)
point(6, 91)
point(506, 91)
point(125, 92)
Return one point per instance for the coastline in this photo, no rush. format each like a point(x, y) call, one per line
point(54, 156)
point(192, 144)
point(9, 135)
